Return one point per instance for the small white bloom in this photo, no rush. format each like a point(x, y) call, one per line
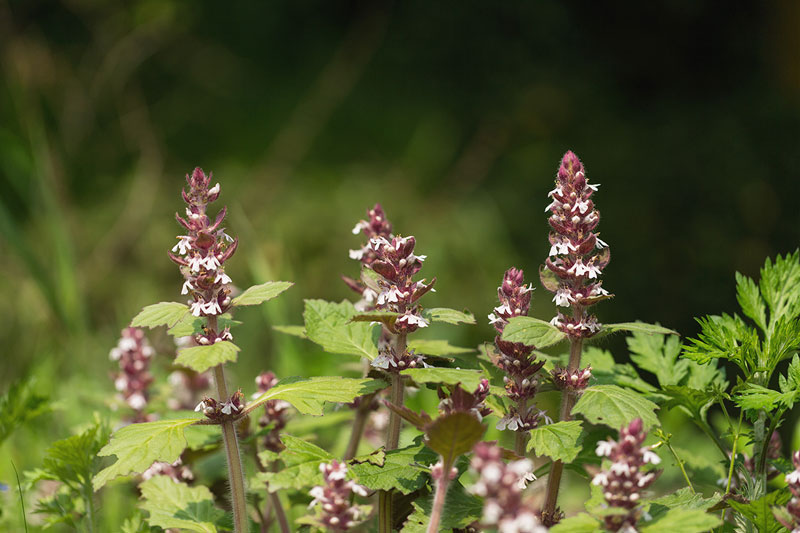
point(222, 277)
point(121, 383)
point(187, 286)
point(359, 489)
point(600, 479)
point(137, 401)
point(557, 191)
point(604, 448)
point(213, 308)
point(197, 307)
point(227, 408)
point(492, 512)
point(563, 298)
point(793, 478)
point(491, 473)
point(115, 354)
point(183, 246)
point(200, 407)
point(600, 243)
point(126, 344)
point(214, 190)
point(383, 361)
point(649, 456)
point(620, 468)
point(493, 319)
point(357, 254)
point(195, 262)
point(211, 262)
point(645, 479)
point(413, 320)
point(593, 187)
point(358, 227)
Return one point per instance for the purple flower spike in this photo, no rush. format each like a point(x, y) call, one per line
point(577, 255)
point(625, 481)
point(133, 353)
point(275, 412)
point(338, 514)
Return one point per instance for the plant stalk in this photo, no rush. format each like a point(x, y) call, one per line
point(438, 499)
point(567, 402)
point(232, 453)
point(360, 421)
point(733, 453)
point(520, 437)
point(392, 439)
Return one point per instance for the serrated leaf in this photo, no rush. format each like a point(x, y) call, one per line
point(18, 405)
point(329, 325)
point(377, 458)
point(683, 520)
point(724, 337)
point(449, 316)
point(532, 332)
point(754, 397)
point(658, 354)
point(201, 358)
point(469, 379)
point(453, 435)
point(403, 470)
point(759, 511)
point(297, 331)
point(560, 441)
point(177, 505)
point(137, 446)
point(641, 327)
point(791, 381)
point(749, 298)
point(300, 469)
point(694, 402)
point(778, 284)
point(160, 314)
point(684, 499)
point(615, 407)
point(258, 294)
point(580, 523)
point(73, 461)
point(307, 395)
point(438, 348)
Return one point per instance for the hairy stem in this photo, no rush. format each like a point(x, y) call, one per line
point(362, 414)
point(567, 401)
point(438, 499)
point(232, 453)
point(762, 458)
point(520, 437)
point(280, 514)
point(679, 462)
point(392, 439)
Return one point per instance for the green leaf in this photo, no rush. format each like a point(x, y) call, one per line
point(724, 337)
point(300, 469)
point(460, 510)
point(791, 382)
point(560, 441)
point(779, 281)
point(684, 499)
point(755, 397)
point(297, 331)
point(135, 524)
point(307, 395)
point(694, 402)
point(749, 298)
point(176, 505)
point(658, 354)
point(160, 314)
point(138, 446)
point(469, 379)
point(377, 458)
point(201, 358)
point(19, 405)
point(683, 520)
point(387, 318)
point(641, 327)
point(615, 407)
point(759, 511)
point(73, 461)
point(450, 316)
point(258, 294)
point(453, 435)
point(403, 470)
point(436, 348)
point(532, 332)
point(580, 523)
point(329, 325)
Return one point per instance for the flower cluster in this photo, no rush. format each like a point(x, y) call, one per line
point(275, 412)
point(462, 401)
point(376, 227)
point(177, 471)
point(218, 411)
point(514, 358)
point(501, 485)
point(338, 514)
point(202, 253)
point(575, 381)
point(577, 255)
point(791, 516)
point(133, 353)
point(626, 479)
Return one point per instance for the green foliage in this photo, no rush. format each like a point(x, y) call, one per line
point(724, 337)
point(683, 498)
point(193, 325)
point(640, 327)
point(561, 441)
point(580, 523)
point(258, 294)
point(681, 519)
point(176, 505)
point(201, 358)
point(160, 314)
point(404, 470)
point(454, 434)
point(759, 511)
point(615, 407)
point(460, 510)
point(330, 325)
point(19, 405)
point(137, 446)
point(532, 331)
point(308, 395)
point(449, 316)
point(436, 348)
point(300, 468)
point(469, 379)
point(754, 397)
point(658, 354)
point(605, 371)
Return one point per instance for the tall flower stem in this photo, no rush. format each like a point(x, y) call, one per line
point(232, 453)
point(392, 439)
point(442, 483)
point(360, 421)
point(567, 402)
point(520, 437)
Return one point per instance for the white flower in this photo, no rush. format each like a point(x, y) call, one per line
point(214, 190)
point(137, 401)
point(563, 298)
point(213, 308)
point(620, 468)
point(593, 187)
point(187, 286)
point(121, 383)
point(197, 307)
point(600, 479)
point(392, 295)
point(492, 512)
point(604, 448)
point(645, 479)
point(126, 344)
point(600, 243)
point(115, 354)
point(195, 262)
point(413, 320)
point(491, 473)
point(359, 489)
point(649, 456)
point(357, 254)
point(383, 361)
point(183, 246)
point(211, 262)
point(509, 422)
point(793, 478)
point(493, 319)
point(200, 407)
point(222, 277)
point(557, 191)
point(358, 227)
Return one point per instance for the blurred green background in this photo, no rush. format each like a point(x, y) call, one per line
point(452, 114)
